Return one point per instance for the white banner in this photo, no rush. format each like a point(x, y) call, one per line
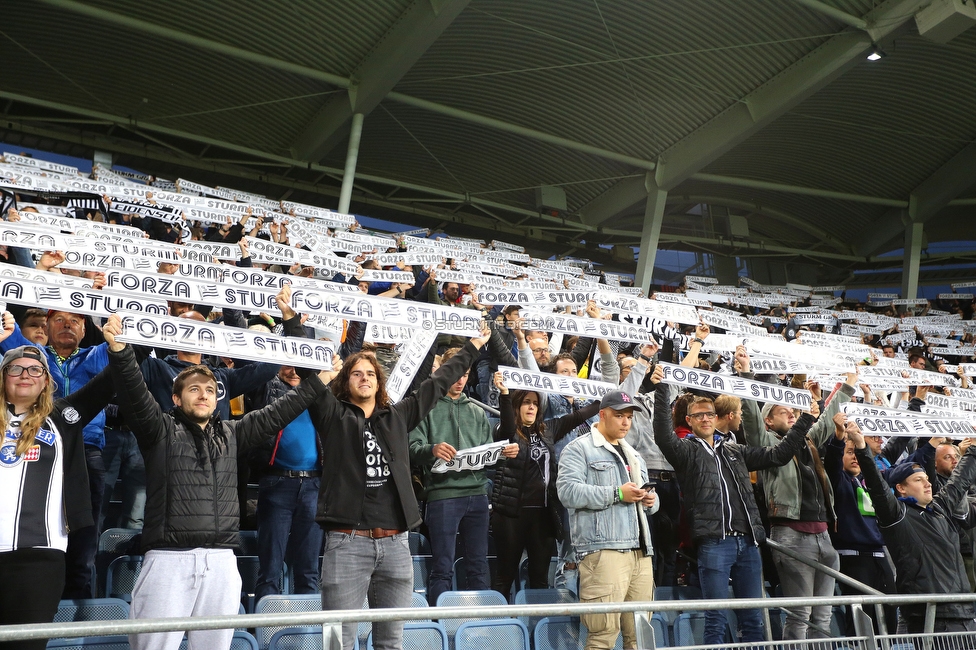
point(208, 338)
point(544, 382)
point(374, 275)
point(911, 376)
point(407, 257)
point(412, 355)
point(474, 458)
point(949, 403)
point(588, 327)
point(665, 311)
point(74, 299)
point(873, 425)
point(731, 385)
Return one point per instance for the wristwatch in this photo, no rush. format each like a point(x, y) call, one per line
point(698, 341)
point(645, 357)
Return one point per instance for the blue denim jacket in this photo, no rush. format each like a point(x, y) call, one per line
point(589, 475)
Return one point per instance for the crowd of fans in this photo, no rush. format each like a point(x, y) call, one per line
point(650, 484)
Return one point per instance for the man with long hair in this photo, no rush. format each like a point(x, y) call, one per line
point(367, 502)
point(192, 514)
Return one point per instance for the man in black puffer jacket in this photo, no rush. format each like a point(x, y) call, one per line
point(922, 533)
point(192, 514)
point(713, 472)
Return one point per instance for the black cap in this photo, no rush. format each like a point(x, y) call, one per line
point(900, 473)
point(618, 400)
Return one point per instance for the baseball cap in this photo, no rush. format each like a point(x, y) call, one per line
point(24, 351)
point(900, 473)
point(767, 409)
point(618, 400)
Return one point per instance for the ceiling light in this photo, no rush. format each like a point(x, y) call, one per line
point(876, 54)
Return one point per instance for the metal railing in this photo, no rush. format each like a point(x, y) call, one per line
point(332, 620)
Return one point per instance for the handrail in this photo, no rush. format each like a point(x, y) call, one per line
point(484, 406)
point(138, 626)
point(836, 575)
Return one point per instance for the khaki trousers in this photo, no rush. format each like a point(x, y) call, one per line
point(614, 577)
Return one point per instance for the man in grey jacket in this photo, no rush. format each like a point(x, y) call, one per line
point(601, 482)
point(800, 503)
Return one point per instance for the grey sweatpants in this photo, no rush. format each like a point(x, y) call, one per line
point(175, 584)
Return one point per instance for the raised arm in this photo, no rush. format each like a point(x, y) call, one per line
point(887, 508)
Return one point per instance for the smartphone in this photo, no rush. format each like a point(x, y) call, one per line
point(650, 485)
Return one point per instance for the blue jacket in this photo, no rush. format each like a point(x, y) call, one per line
point(76, 371)
point(589, 475)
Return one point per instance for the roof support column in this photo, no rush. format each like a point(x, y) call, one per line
point(352, 155)
point(913, 256)
point(650, 236)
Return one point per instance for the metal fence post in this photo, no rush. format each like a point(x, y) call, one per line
point(864, 626)
point(644, 631)
point(332, 636)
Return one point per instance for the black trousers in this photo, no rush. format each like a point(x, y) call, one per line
point(874, 572)
point(32, 580)
point(83, 542)
point(532, 531)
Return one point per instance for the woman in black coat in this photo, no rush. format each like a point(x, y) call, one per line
point(525, 509)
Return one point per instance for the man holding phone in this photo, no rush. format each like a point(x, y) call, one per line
point(598, 481)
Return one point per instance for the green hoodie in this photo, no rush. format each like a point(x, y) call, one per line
point(461, 424)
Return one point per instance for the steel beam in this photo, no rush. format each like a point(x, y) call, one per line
point(291, 162)
point(657, 200)
point(396, 52)
point(932, 195)
point(352, 155)
point(622, 196)
point(781, 93)
point(798, 189)
point(835, 13)
point(913, 256)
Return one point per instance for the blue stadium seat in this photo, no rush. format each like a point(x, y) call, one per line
point(297, 638)
point(121, 576)
point(662, 636)
point(689, 629)
point(248, 544)
point(113, 543)
point(557, 633)
point(420, 635)
point(419, 545)
point(242, 641)
point(508, 633)
point(92, 609)
point(541, 597)
point(461, 574)
point(484, 598)
point(421, 573)
point(114, 642)
point(281, 604)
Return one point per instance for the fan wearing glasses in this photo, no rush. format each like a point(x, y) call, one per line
point(713, 471)
point(43, 481)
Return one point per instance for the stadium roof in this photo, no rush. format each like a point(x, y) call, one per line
point(763, 112)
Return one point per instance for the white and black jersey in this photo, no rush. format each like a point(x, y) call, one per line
point(32, 484)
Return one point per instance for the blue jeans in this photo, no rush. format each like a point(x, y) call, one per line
point(736, 558)
point(286, 523)
point(355, 568)
point(446, 519)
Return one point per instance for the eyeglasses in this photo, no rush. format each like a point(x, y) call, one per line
point(702, 415)
point(32, 371)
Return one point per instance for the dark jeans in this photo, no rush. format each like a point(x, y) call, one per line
point(532, 532)
point(446, 519)
point(83, 543)
point(736, 558)
point(286, 525)
point(32, 579)
point(664, 531)
point(123, 460)
point(874, 572)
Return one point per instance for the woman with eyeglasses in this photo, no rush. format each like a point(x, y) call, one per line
point(525, 509)
point(43, 482)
